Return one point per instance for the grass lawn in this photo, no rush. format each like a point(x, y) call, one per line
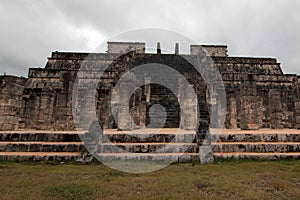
point(223, 180)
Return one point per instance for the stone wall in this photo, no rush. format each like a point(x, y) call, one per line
point(296, 113)
point(44, 100)
point(211, 50)
point(11, 92)
point(149, 94)
point(125, 47)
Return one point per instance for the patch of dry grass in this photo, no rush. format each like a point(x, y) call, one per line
point(223, 180)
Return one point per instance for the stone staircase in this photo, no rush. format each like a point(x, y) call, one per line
point(134, 145)
point(258, 144)
point(149, 144)
point(39, 145)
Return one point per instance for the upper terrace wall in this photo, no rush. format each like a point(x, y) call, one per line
point(125, 47)
point(44, 101)
point(211, 50)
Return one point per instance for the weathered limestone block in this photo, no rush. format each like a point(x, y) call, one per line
point(11, 91)
point(250, 104)
point(275, 109)
point(250, 112)
point(126, 89)
point(87, 110)
point(232, 114)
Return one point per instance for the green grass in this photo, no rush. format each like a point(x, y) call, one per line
point(229, 179)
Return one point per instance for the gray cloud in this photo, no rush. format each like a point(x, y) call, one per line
point(31, 30)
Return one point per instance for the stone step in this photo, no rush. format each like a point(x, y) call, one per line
point(102, 148)
point(148, 144)
point(251, 155)
point(163, 157)
point(148, 148)
point(41, 146)
point(63, 156)
point(110, 136)
point(38, 156)
point(148, 138)
point(179, 157)
point(257, 137)
point(259, 147)
point(40, 136)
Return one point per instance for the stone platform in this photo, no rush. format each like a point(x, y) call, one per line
point(150, 144)
point(265, 143)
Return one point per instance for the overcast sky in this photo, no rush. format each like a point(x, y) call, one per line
point(32, 29)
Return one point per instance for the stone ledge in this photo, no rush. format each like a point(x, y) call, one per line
point(267, 156)
point(256, 147)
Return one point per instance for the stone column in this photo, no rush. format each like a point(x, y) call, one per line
point(87, 109)
point(275, 109)
point(137, 99)
point(145, 100)
point(232, 114)
point(250, 102)
point(158, 49)
point(148, 89)
point(176, 48)
point(221, 107)
point(45, 116)
point(126, 88)
point(213, 105)
point(189, 109)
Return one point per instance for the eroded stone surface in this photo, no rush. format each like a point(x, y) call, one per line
point(43, 101)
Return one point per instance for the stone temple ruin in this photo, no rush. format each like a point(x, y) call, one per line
point(258, 96)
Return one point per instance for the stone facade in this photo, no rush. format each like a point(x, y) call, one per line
point(258, 94)
point(11, 92)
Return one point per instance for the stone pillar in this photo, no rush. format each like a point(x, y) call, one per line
point(136, 109)
point(145, 100)
point(176, 48)
point(232, 114)
point(126, 88)
point(87, 110)
point(158, 49)
point(148, 89)
point(297, 102)
point(275, 109)
point(216, 106)
point(250, 102)
point(45, 116)
point(143, 113)
point(213, 106)
point(189, 109)
point(24, 104)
